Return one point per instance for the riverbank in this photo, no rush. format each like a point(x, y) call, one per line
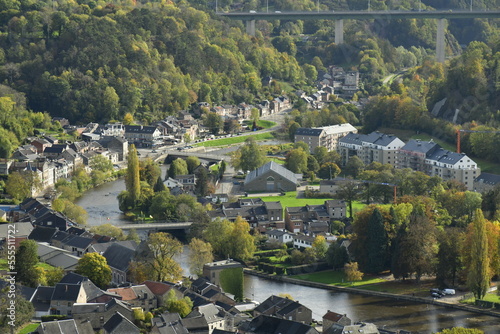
point(398, 297)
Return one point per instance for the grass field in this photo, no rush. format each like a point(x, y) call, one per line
point(337, 278)
point(278, 161)
point(261, 123)
point(235, 140)
point(490, 297)
point(28, 328)
point(290, 199)
point(3, 264)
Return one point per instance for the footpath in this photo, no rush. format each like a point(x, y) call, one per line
point(451, 303)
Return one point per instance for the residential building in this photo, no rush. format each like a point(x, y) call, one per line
point(99, 313)
point(330, 318)
point(414, 153)
point(301, 241)
point(119, 258)
point(359, 328)
point(64, 327)
point(168, 323)
point(119, 324)
point(212, 270)
point(279, 236)
point(141, 136)
point(284, 308)
point(137, 296)
point(486, 182)
point(373, 147)
point(265, 324)
point(271, 177)
point(327, 136)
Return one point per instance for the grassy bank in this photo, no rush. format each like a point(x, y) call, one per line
point(333, 277)
point(261, 123)
point(235, 140)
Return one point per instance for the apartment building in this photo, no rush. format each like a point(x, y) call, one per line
point(326, 136)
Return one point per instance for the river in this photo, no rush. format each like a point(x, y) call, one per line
point(102, 207)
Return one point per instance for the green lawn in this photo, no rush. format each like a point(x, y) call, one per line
point(290, 199)
point(277, 160)
point(261, 123)
point(44, 265)
point(492, 297)
point(3, 264)
point(235, 140)
point(28, 328)
point(336, 278)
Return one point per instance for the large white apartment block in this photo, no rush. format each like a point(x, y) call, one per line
point(326, 136)
point(373, 147)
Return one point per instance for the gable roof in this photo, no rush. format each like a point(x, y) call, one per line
point(308, 132)
point(120, 324)
point(271, 325)
point(21, 229)
point(118, 256)
point(157, 288)
point(79, 242)
point(69, 326)
point(445, 156)
point(487, 178)
point(169, 323)
point(420, 146)
point(271, 166)
point(66, 292)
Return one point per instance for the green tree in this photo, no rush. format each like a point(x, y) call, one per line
point(329, 170)
point(26, 259)
point(175, 305)
point(213, 122)
point(230, 239)
point(164, 248)
point(202, 187)
point(249, 157)
point(449, 256)
point(96, 268)
point(478, 278)
point(201, 253)
point(132, 235)
point(320, 247)
point(192, 163)
point(292, 128)
point(102, 164)
point(336, 255)
point(178, 167)
point(159, 185)
point(24, 311)
point(376, 244)
point(132, 179)
point(108, 230)
point(354, 166)
point(231, 280)
point(21, 185)
point(296, 160)
point(348, 191)
point(312, 164)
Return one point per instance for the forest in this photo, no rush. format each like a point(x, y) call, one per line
point(97, 61)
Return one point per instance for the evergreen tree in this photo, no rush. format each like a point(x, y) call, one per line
point(376, 244)
point(202, 180)
point(478, 278)
point(26, 259)
point(132, 179)
point(159, 185)
point(399, 266)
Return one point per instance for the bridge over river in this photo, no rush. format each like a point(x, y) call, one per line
point(339, 16)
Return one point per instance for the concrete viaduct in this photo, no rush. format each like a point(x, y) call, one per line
point(339, 17)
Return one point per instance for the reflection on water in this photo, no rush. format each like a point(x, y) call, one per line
point(102, 206)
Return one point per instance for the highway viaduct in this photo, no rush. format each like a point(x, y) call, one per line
point(340, 16)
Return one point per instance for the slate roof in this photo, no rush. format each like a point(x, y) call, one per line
point(271, 166)
point(308, 132)
point(352, 138)
point(362, 328)
point(375, 137)
point(79, 242)
point(66, 292)
point(21, 229)
point(139, 129)
point(119, 256)
point(63, 260)
point(45, 249)
point(169, 323)
point(487, 178)
point(277, 233)
point(118, 324)
point(271, 302)
point(446, 156)
point(42, 233)
point(73, 278)
point(102, 247)
point(289, 308)
point(420, 146)
point(41, 298)
point(264, 324)
point(273, 205)
point(69, 326)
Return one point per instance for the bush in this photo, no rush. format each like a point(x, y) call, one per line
point(53, 317)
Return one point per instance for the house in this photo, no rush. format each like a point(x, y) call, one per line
point(271, 177)
point(213, 315)
point(373, 147)
point(99, 313)
point(168, 323)
point(141, 136)
point(304, 218)
point(77, 245)
point(265, 324)
point(160, 290)
point(257, 213)
point(69, 326)
point(17, 231)
point(279, 104)
point(72, 289)
point(332, 186)
point(116, 144)
point(40, 144)
point(359, 328)
point(302, 241)
point(330, 318)
point(486, 182)
point(284, 308)
point(41, 300)
point(279, 236)
point(137, 296)
point(188, 182)
point(119, 258)
point(119, 324)
point(212, 270)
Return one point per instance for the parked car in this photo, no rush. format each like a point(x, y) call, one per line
point(449, 291)
point(436, 295)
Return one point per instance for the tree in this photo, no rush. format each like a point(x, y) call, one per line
point(312, 164)
point(249, 157)
point(376, 244)
point(231, 126)
point(478, 278)
point(292, 128)
point(296, 160)
point(26, 259)
point(460, 330)
point(230, 239)
point(178, 167)
point(128, 119)
point(21, 185)
point(336, 255)
point(159, 185)
point(192, 163)
point(162, 264)
point(96, 268)
point(320, 247)
point(352, 272)
point(108, 230)
point(132, 179)
point(354, 166)
point(449, 256)
point(202, 187)
point(102, 164)
point(201, 253)
point(213, 122)
point(24, 312)
point(348, 191)
point(329, 170)
point(175, 305)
